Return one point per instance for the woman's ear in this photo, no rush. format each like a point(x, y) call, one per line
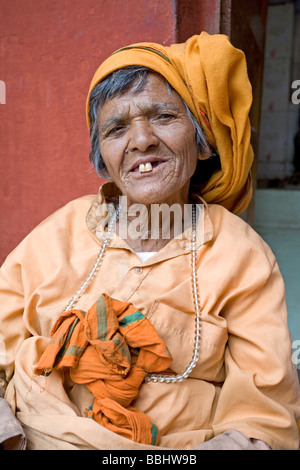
point(102, 170)
point(204, 156)
point(104, 174)
point(206, 152)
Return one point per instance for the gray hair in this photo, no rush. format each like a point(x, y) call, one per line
point(128, 78)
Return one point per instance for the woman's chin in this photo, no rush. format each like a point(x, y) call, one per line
point(149, 197)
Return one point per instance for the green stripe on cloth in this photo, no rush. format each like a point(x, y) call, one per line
point(73, 350)
point(151, 49)
point(63, 349)
point(154, 433)
point(102, 319)
point(136, 316)
point(122, 347)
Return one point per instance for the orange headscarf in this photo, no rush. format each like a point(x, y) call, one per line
point(211, 76)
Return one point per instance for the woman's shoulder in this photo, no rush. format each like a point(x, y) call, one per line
point(74, 209)
point(55, 231)
point(233, 232)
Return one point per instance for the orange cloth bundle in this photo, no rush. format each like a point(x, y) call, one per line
point(211, 76)
point(110, 349)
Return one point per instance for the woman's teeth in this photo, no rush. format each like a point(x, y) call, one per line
point(145, 167)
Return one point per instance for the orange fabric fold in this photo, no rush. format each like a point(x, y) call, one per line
point(110, 348)
point(211, 76)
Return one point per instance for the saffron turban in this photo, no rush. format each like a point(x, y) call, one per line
point(211, 77)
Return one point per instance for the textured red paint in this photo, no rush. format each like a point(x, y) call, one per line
point(196, 16)
point(49, 51)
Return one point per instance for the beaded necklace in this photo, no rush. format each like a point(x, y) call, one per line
point(195, 356)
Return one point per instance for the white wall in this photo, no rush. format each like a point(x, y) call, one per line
point(279, 116)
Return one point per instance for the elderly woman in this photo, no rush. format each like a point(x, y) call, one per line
point(167, 332)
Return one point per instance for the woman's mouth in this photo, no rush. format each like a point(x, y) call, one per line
point(147, 167)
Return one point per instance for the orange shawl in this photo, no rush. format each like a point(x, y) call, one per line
point(211, 76)
point(110, 349)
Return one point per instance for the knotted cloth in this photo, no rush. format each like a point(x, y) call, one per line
point(110, 348)
point(211, 76)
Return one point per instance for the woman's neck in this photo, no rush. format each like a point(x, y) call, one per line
point(150, 227)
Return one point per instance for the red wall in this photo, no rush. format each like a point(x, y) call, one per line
point(49, 50)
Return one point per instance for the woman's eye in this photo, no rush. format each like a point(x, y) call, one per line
point(115, 130)
point(166, 116)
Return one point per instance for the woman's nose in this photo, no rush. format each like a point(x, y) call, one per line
point(142, 137)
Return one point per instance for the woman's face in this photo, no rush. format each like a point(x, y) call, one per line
point(147, 142)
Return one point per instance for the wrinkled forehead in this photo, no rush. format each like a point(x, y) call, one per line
point(151, 84)
point(153, 95)
point(117, 79)
point(131, 81)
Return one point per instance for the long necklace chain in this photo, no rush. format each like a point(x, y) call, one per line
point(196, 348)
point(96, 265)
point(195, 357)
